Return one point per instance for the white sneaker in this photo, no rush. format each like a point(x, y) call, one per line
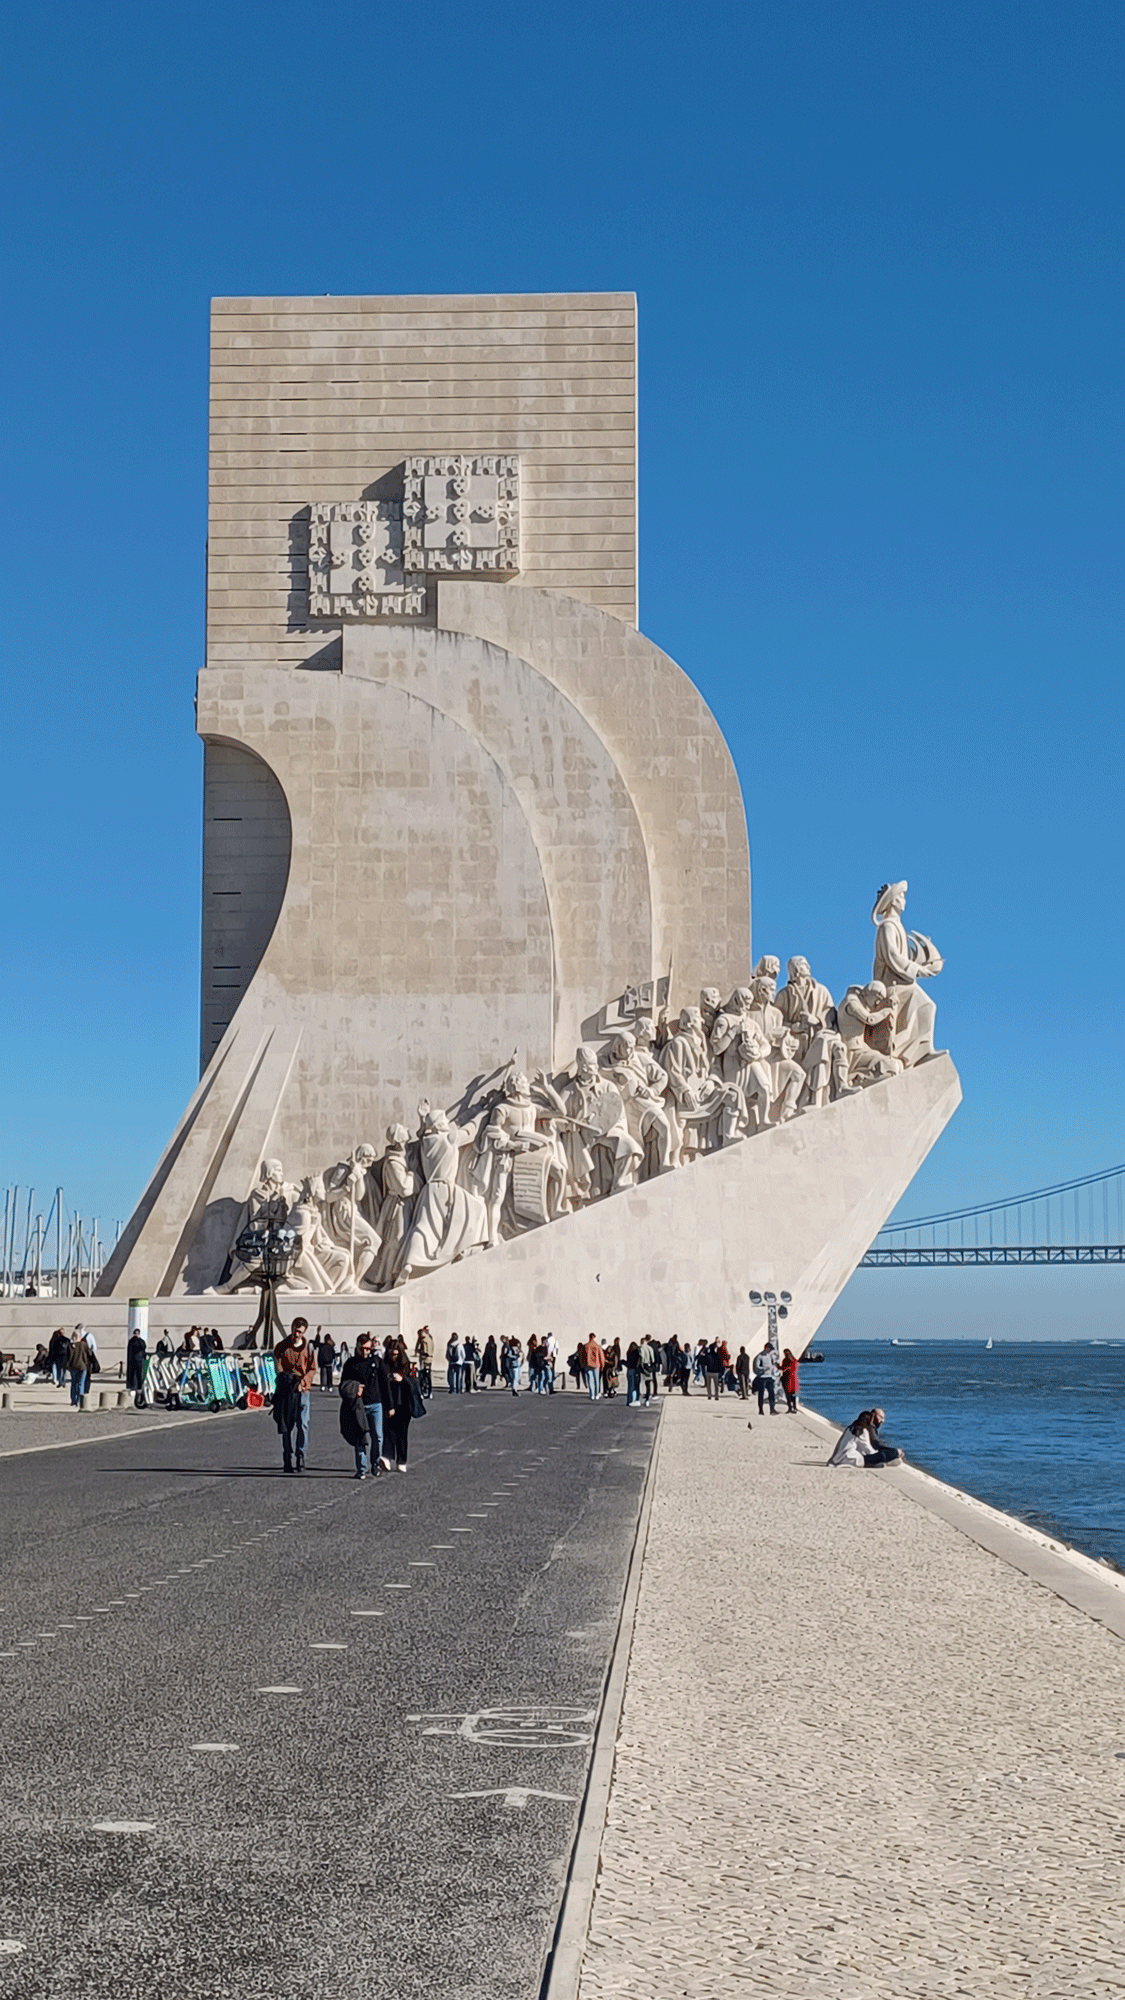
point(402, 1468)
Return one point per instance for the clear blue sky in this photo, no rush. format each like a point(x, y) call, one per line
point(878, 255)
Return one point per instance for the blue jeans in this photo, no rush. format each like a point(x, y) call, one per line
point(593, 1383)
point(765, 1385)
point(375, 1426)
point(78, 1380)
point(301, 1427)
point(453, 1374)
point(632, 1385)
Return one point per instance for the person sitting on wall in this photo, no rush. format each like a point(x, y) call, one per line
point(859, 1443)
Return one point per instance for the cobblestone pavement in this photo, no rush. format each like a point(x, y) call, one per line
point(859, 1756)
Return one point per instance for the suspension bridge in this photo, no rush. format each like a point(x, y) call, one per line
point(1076, 1222)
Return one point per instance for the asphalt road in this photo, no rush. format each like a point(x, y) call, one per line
point(287, 1738)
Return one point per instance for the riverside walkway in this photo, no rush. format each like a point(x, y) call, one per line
point(860, 1754)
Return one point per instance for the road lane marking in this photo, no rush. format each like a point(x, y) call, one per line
point(516, 1795)
point(212, 1746)
point(423, 1565)
point(124, 1826)
point(327, 1646)
point(279, 1690)
point(367, 1614)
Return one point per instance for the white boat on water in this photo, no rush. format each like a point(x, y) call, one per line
point(901, 1343)
point(988, 1342)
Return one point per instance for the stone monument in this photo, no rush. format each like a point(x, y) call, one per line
point(473, 850)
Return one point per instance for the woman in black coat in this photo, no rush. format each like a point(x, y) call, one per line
point(400, 1409)
point(135, 1362)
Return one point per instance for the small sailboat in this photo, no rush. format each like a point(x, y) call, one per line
point(988, 1342)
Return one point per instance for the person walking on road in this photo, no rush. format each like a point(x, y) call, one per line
point(401, 1392)
point(454, 1365)
point(325, 1360)
point(490, 1362)
point(592, 1367)
point(650, 1371)
point(632, 1374)
point(742, 1374)
point(765, 1379)
point(790, 1381)
point(368, 1368)
point(135, 1356)
point(79, 1365)
point(296, 1372)
point(353, 1421)
point(424, 1357)
point(713, 1371)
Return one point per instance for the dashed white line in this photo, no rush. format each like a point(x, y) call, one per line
point(279, 1690)
point(124, 1826)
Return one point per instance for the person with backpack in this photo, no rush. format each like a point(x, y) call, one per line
point(765, 1379)
point(650, 1371)
point(712, 1371)
point(742, 1374)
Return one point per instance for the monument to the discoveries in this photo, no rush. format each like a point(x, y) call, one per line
point(480, 1023)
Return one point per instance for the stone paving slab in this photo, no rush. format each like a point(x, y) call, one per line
point(859, 1755)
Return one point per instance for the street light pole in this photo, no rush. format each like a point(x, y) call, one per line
point(777, 1306)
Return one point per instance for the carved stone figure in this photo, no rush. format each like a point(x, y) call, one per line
point(267, 1207)
point(450, 1221)
point(710, 1006)
point(803, 1003)
point(826, 1066)
point(346, 1189)
point(643, 1083)
point(788, 1080)
point(709, 1109)
point(399, 1189)
point(863, 1010)
point(740, 1054)
point(320, 1265)
point(510, 1137)
point(902, 958)
point(599, 1132)
point(763, 1006)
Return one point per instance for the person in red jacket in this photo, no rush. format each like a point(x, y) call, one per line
point(789, 1381)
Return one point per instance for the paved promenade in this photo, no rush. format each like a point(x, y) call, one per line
point(859, 1755)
